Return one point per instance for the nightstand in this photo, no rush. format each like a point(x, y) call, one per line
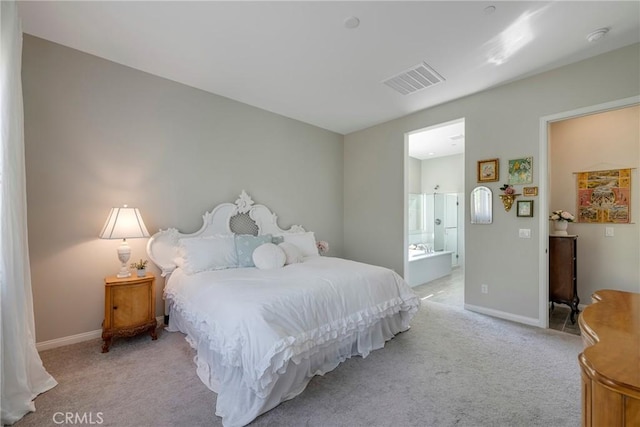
point(129, 308)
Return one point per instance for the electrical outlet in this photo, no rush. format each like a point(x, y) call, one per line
point(484, 289)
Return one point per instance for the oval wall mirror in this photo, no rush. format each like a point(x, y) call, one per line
point(480, 206)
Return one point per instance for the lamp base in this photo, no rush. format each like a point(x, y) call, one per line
point(124, 252)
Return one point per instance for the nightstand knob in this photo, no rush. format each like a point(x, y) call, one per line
point(115, 307)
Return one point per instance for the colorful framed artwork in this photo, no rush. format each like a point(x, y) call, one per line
point(521, 171)
point(488, 170)
point(604, 196)
point(530, 191)
point(525, 208)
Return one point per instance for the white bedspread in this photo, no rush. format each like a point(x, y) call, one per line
point(259, 320)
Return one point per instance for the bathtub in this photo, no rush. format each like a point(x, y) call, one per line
point(427, 266)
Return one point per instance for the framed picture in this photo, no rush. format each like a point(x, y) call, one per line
point(521, 171)
point(488, 170)
point(604, 196)
point(525, 208)
point(530, 191)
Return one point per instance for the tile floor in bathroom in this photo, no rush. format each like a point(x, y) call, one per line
point(450, 290)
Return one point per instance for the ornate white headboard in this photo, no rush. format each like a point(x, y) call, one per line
point(241, 217)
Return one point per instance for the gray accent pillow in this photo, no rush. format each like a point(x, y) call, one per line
point(246, 244)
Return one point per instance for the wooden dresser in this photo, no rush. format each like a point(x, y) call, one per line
point(610, 362)
point(563, 272)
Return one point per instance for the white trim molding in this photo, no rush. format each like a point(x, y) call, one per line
point(75, 339)
point(503, 315)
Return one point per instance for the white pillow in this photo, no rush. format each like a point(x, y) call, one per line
point(306, 242)
point(208, 253)
point(292, 253)
point(268, 256)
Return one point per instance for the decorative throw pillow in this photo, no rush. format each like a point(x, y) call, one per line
point(208, 253)
point(246, 244)
point(292, 253)
point(306, 242)
point(268, 256)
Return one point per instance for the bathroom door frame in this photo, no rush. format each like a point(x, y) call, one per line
point(405, 221)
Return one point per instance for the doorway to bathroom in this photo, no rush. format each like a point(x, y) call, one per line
point(435, 212)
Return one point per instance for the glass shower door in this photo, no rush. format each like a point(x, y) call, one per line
point(451, 226)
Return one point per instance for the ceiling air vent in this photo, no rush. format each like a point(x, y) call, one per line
point(414, 79)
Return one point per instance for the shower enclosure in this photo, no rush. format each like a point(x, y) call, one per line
point(433, 224)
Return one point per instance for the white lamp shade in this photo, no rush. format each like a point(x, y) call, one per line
point(124, 223)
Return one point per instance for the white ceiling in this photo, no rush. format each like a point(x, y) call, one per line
point(445, 139)
point(299, 60)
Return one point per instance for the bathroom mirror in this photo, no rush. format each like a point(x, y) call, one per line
point(480, 206)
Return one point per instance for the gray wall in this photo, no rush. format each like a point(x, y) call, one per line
point(99, 134)
point(501, 122)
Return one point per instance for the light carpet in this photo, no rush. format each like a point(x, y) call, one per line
point(452, 368)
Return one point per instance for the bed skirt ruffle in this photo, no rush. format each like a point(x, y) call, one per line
point(239, 403)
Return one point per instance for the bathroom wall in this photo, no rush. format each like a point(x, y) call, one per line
point(447, 173)
point(414, 181)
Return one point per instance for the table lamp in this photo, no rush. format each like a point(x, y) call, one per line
point(124, 223)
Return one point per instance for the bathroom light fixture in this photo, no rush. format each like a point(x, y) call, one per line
point(597, 34)
point(124, 223)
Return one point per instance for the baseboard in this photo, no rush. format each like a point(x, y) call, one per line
point(503, 315)
point(74, 339)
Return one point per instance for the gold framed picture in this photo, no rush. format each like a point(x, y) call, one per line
point(529, 191)
point(488, 170)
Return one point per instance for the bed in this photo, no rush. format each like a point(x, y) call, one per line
point(265, 311)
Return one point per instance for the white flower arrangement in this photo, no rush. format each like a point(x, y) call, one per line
point(561, 215)
point(323, 246)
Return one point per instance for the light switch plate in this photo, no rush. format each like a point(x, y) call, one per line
point(608, 231)
point(524, 233)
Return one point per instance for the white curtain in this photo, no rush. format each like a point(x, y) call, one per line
point(23, 376)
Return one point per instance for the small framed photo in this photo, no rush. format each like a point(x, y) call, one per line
point(525, 208)
point(488, 170)
point(529, 191)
